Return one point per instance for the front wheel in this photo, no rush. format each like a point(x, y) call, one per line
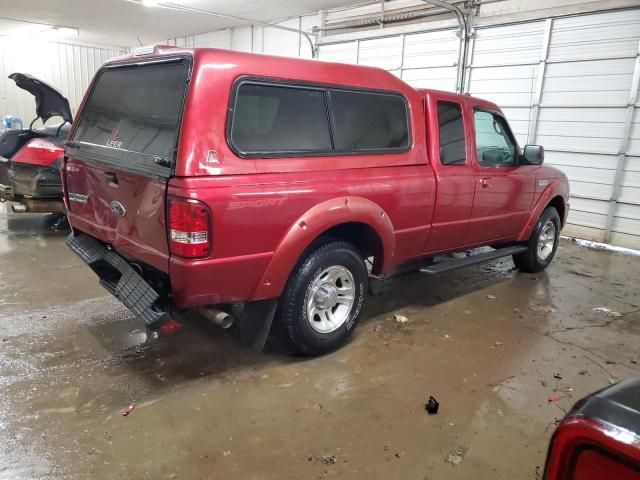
point(323, 298)
point(542, 244)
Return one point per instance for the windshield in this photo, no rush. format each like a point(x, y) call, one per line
point(135, 109)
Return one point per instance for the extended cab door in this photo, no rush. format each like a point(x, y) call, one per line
point(449, 148)
point(121, 153)
point(503, 189)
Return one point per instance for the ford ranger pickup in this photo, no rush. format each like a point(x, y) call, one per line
point(250, 187)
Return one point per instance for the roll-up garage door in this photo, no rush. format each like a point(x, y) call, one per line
point(424, 60)
point(568, 83)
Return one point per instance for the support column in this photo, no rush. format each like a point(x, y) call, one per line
point(469, 61)
point(624, 146)
point(537, 94)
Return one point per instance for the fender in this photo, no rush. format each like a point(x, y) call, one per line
point(554, 189)
point(314, 223)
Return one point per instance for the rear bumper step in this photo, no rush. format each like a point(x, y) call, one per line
point(119, 279)
point(456, 263)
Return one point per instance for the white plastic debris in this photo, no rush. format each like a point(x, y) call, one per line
point(609, 312)
point(602, 246)
point(456, 456)
point(542, 308)
point(400, 318)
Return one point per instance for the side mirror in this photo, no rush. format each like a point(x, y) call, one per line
point(533, 155)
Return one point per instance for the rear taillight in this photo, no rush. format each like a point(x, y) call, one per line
point(38, 151)
point(189, 228)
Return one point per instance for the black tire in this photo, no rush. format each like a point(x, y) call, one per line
point(294, 313)
point(529, 260)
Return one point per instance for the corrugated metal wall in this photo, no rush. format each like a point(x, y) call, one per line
point(257, 39)
point(67, 67)
point(425, 60)
point(565, 83)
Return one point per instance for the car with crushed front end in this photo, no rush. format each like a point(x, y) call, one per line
point(30, 158)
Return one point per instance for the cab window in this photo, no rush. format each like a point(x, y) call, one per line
point(451, 133)
point(495, 146)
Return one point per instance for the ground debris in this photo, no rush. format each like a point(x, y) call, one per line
point(581, 274)
point(456, 456)
point(432, 406)
point(325, 459)
point(609, 312)
point(557, 376)
point(491, 297)
point(542, 308)
point(328, 459)
point(128, 410)
point(400, 318)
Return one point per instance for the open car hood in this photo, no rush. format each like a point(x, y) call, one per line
point(49, 101)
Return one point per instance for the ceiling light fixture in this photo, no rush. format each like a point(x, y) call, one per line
point(25, 28)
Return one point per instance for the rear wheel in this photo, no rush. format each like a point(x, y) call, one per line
point(542, 244)
point(323, 298)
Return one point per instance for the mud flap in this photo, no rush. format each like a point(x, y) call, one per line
point(256, 321)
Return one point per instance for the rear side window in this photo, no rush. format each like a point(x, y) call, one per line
point(271, 119)
point(451, 127)
point(135, 109)
point(369, 121)
point(276, 120)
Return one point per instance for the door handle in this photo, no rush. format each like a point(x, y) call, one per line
point(111, 177)
point(486, 182)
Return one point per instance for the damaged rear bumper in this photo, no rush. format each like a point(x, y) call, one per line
point(119, 278)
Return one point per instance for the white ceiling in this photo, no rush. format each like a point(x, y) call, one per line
point(122, 22)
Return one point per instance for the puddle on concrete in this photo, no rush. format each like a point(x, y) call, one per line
point(72, 360)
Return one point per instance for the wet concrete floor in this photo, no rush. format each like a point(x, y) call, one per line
point(489, 343)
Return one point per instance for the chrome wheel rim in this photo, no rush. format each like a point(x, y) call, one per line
point(546, 240)
point(330, 299)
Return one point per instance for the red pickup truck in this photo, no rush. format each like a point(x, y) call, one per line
point(255, 186)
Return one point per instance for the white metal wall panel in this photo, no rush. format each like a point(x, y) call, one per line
point(582, 98)
point(504, 70)
point(582, 118)
point(281, 42)
point(593, 83)
point(346, 52)
point(596, 36)
point(510, 44)
point(634, 139)
point(430, 59)
point(424, 60)
point(577, 110)
point(257, 39)
point(67, 67)
point(385, 53)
